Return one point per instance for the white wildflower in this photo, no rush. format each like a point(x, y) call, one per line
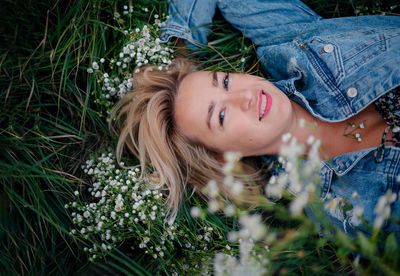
point(229, 210)
point(251, 227)
point(211, 189)
point(276, 186)
point(310, 139)
point(302, 122)
point(195, 212)
point(231, 159)
point(237, 188)
point(334, 208)
point(382, 208)
point(355, 215)
point(286, 137)
point(213, 206)
point(298, 204)
point(95, 66)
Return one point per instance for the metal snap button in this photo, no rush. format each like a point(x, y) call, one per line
point(352, 92)
point(328, 48)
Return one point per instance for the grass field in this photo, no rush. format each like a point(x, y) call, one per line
point(54, 118)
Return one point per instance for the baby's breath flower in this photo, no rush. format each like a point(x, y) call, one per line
point(211, 189)
point(213, 206)
point(382, 208)
point(286, 137)
point(95, 66)
point(302, 122)
point(310, 139)
point(195, 212)
point(297, 205)
point(252, 227)
point(229, 210)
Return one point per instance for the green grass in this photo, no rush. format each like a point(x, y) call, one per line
point(47, 129)
point(49, 125)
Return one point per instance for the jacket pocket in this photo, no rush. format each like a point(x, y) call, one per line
point(362, 47)
point(325, 57)
point(358, 48)
point(340, 55)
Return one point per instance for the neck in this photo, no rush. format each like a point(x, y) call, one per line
point(303, 126)
point(333, 137)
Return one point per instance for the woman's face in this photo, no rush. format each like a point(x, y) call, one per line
point(232, 112)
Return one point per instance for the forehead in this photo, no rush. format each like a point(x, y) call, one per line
point(192, 81)
point(191, 103)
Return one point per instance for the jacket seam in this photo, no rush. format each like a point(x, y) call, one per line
point(190, 12)
point(326, 78)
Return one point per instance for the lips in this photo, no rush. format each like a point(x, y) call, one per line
point(264, 104)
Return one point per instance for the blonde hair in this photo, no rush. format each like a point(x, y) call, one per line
point(145, 118)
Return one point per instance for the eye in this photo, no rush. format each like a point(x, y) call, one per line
point(221, 117)
point(225, 81)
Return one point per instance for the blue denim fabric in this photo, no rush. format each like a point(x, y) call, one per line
point(357, 172)
point(334, 68)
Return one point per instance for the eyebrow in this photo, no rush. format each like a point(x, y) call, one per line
point(209, 113)
point(215, 79)
point(211, 107)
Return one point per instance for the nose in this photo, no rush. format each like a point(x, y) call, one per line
point(241, 99)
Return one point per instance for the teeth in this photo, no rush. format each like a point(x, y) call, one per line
point(263, 104)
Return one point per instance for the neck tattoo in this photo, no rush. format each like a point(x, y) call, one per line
point(351, 131)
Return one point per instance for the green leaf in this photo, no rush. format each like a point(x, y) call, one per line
point(391, 249)
point(367, 247)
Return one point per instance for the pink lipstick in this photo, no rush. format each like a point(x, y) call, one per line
point(264, 104)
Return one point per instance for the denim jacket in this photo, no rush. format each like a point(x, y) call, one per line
point(334, 68)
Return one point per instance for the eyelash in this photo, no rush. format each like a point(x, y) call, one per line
point(225, 84)
point(221, 117)
point(225, 81)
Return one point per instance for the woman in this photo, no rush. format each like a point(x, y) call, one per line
point(330, 72)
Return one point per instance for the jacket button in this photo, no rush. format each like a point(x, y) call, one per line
point(328, 48)
point(352, 92)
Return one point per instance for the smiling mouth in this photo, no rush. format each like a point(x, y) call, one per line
point(264, 104)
